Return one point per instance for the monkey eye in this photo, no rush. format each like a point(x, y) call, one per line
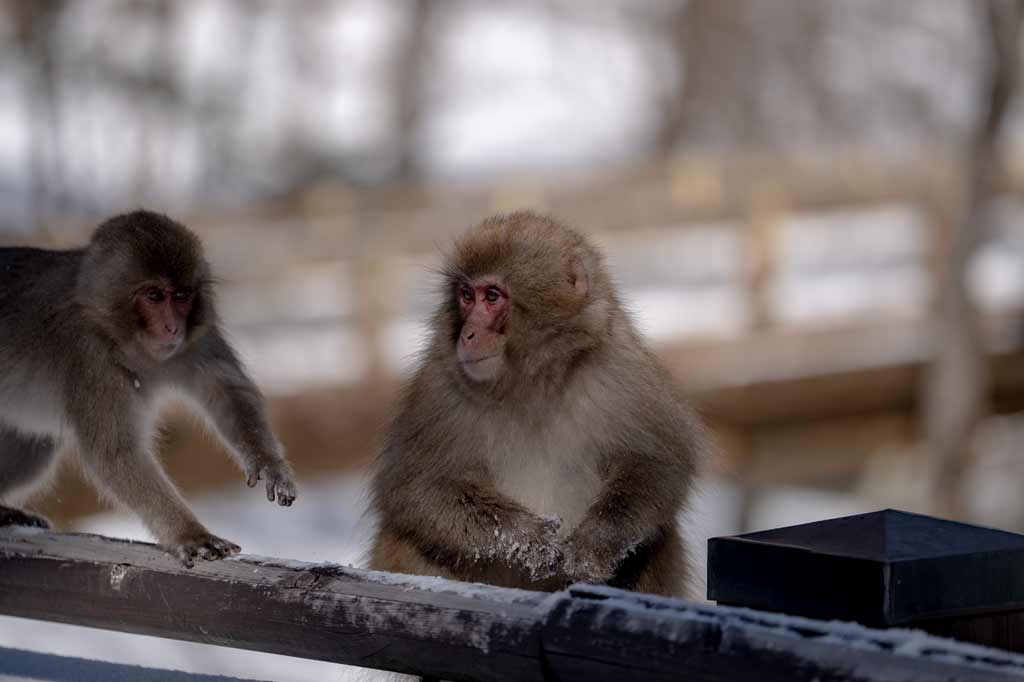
point(467, 294)
point(182, 295)
point(155, 295)
point(492, 294)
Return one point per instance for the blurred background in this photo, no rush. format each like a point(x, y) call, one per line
point(814, 210)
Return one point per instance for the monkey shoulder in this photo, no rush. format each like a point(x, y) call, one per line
point(433, 427)
point(432, 391)
point(635, 401)
point(25, 270)
point(36, 303)
point(38, 315)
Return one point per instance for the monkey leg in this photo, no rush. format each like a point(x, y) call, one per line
point(24, 460)
point(659, 567)
point(391, 553)
point(9, 516)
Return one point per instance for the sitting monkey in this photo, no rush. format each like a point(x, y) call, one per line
point(540, 441)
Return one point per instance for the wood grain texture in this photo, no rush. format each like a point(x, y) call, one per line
point(454, 631)
point(605, 634)
point(322, 612)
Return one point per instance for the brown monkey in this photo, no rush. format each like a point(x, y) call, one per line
point(89, 340)
point(540, 441)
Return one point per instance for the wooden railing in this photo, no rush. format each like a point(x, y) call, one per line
point(443, 629)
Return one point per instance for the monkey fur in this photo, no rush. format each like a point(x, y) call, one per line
point(539, 442)
point(90, 339)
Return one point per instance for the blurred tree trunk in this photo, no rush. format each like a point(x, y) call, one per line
point(956, 387)
point(731, 57)
point(413, 52)
point(34, 25)
point(716, 55)
point(159, 95)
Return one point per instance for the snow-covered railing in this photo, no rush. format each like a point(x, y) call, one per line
point(450, 630)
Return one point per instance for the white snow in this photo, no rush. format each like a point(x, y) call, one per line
point(899, 641)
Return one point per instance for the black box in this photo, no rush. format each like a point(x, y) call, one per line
point(883, 569)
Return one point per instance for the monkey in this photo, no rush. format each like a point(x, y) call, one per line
point(539, 442)
point(90, 340)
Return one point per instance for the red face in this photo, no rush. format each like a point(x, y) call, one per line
point(163, 312)
point(483, 306)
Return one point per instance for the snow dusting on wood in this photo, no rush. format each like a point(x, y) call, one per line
point(445, 629)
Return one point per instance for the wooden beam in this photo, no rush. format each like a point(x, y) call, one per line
point(780, 377)
point(450, 630)
point(324, 612)
point(606, 634)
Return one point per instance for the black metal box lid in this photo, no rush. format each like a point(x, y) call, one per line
point(884, 568)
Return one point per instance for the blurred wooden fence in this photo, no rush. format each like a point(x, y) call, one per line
point(772, 378)
point(773, 390)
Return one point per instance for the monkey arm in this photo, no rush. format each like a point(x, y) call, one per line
point(642, 495)
point(118, 464)
point(115, 456)
point(458, 522)
point(214, 376)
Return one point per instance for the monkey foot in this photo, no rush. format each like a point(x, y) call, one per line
point(17, 517)
point(279, 483)
point(203, 546)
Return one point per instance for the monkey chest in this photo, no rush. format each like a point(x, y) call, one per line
point(29, 405)
point(560, 481)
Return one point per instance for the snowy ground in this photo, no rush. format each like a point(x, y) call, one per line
point(328, 523)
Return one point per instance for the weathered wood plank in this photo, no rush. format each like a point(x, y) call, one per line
point(330, 613)
point(448, 630)
point(600, 633)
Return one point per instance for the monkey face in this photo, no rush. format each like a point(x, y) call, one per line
point(146, 286)
point(483, 308)
point(163, 313)
point(521, 305)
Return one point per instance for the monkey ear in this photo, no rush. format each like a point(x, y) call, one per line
point(578, 276)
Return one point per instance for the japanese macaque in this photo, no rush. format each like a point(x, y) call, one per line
point(539, 442)
point(89, 341)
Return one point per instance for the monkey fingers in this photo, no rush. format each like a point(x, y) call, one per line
point(283, 489)
point(589, 559)
point(280, 486)
point(203, 546)
point(533, 545)
point(17, 517)
point(544, 562)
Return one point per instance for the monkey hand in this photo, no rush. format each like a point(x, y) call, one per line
point(200, 543)
point(17, 517)
point(278, 476)
point(590, 557)
point(532, 543)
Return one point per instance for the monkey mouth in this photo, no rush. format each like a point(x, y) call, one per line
point(483, 369)
point(162, 351)
point(475, 361)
